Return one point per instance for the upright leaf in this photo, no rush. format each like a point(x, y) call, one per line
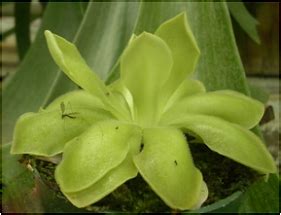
point(69, 60)
point(22, 21)
point(185, 52)
point(219, 66)
point(101, 38)
point(145, 66)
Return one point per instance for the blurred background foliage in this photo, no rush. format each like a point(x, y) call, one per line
point(259, 59)
point(101, 31)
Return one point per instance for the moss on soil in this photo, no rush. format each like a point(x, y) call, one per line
point(222, 175)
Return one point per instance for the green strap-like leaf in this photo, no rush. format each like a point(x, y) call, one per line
point(247, 22)
point(166, 165)
point(220, 66)
point(45, 133)
point(87, 158)
point(113, 179)
point(68, 58)
point(230, 140)
point(229, 105)
point(22, 22)
point(145, 66)
point(177, 34)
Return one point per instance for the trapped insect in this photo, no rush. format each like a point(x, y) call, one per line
point(70, 115)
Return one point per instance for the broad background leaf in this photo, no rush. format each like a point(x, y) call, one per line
point(220, 66)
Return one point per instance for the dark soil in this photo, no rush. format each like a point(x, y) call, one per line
point(222, 175)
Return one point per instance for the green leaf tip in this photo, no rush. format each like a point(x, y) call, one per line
point(53, 46)
point(177, 33)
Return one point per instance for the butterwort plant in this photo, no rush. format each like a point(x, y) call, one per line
point(108, 134)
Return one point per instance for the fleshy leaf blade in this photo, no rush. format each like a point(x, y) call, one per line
point(145, 66)
point(166, 164)
point(113, 179)
point(230, 140)
point(87, 158)
point(226, 104)
point(45, 133)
